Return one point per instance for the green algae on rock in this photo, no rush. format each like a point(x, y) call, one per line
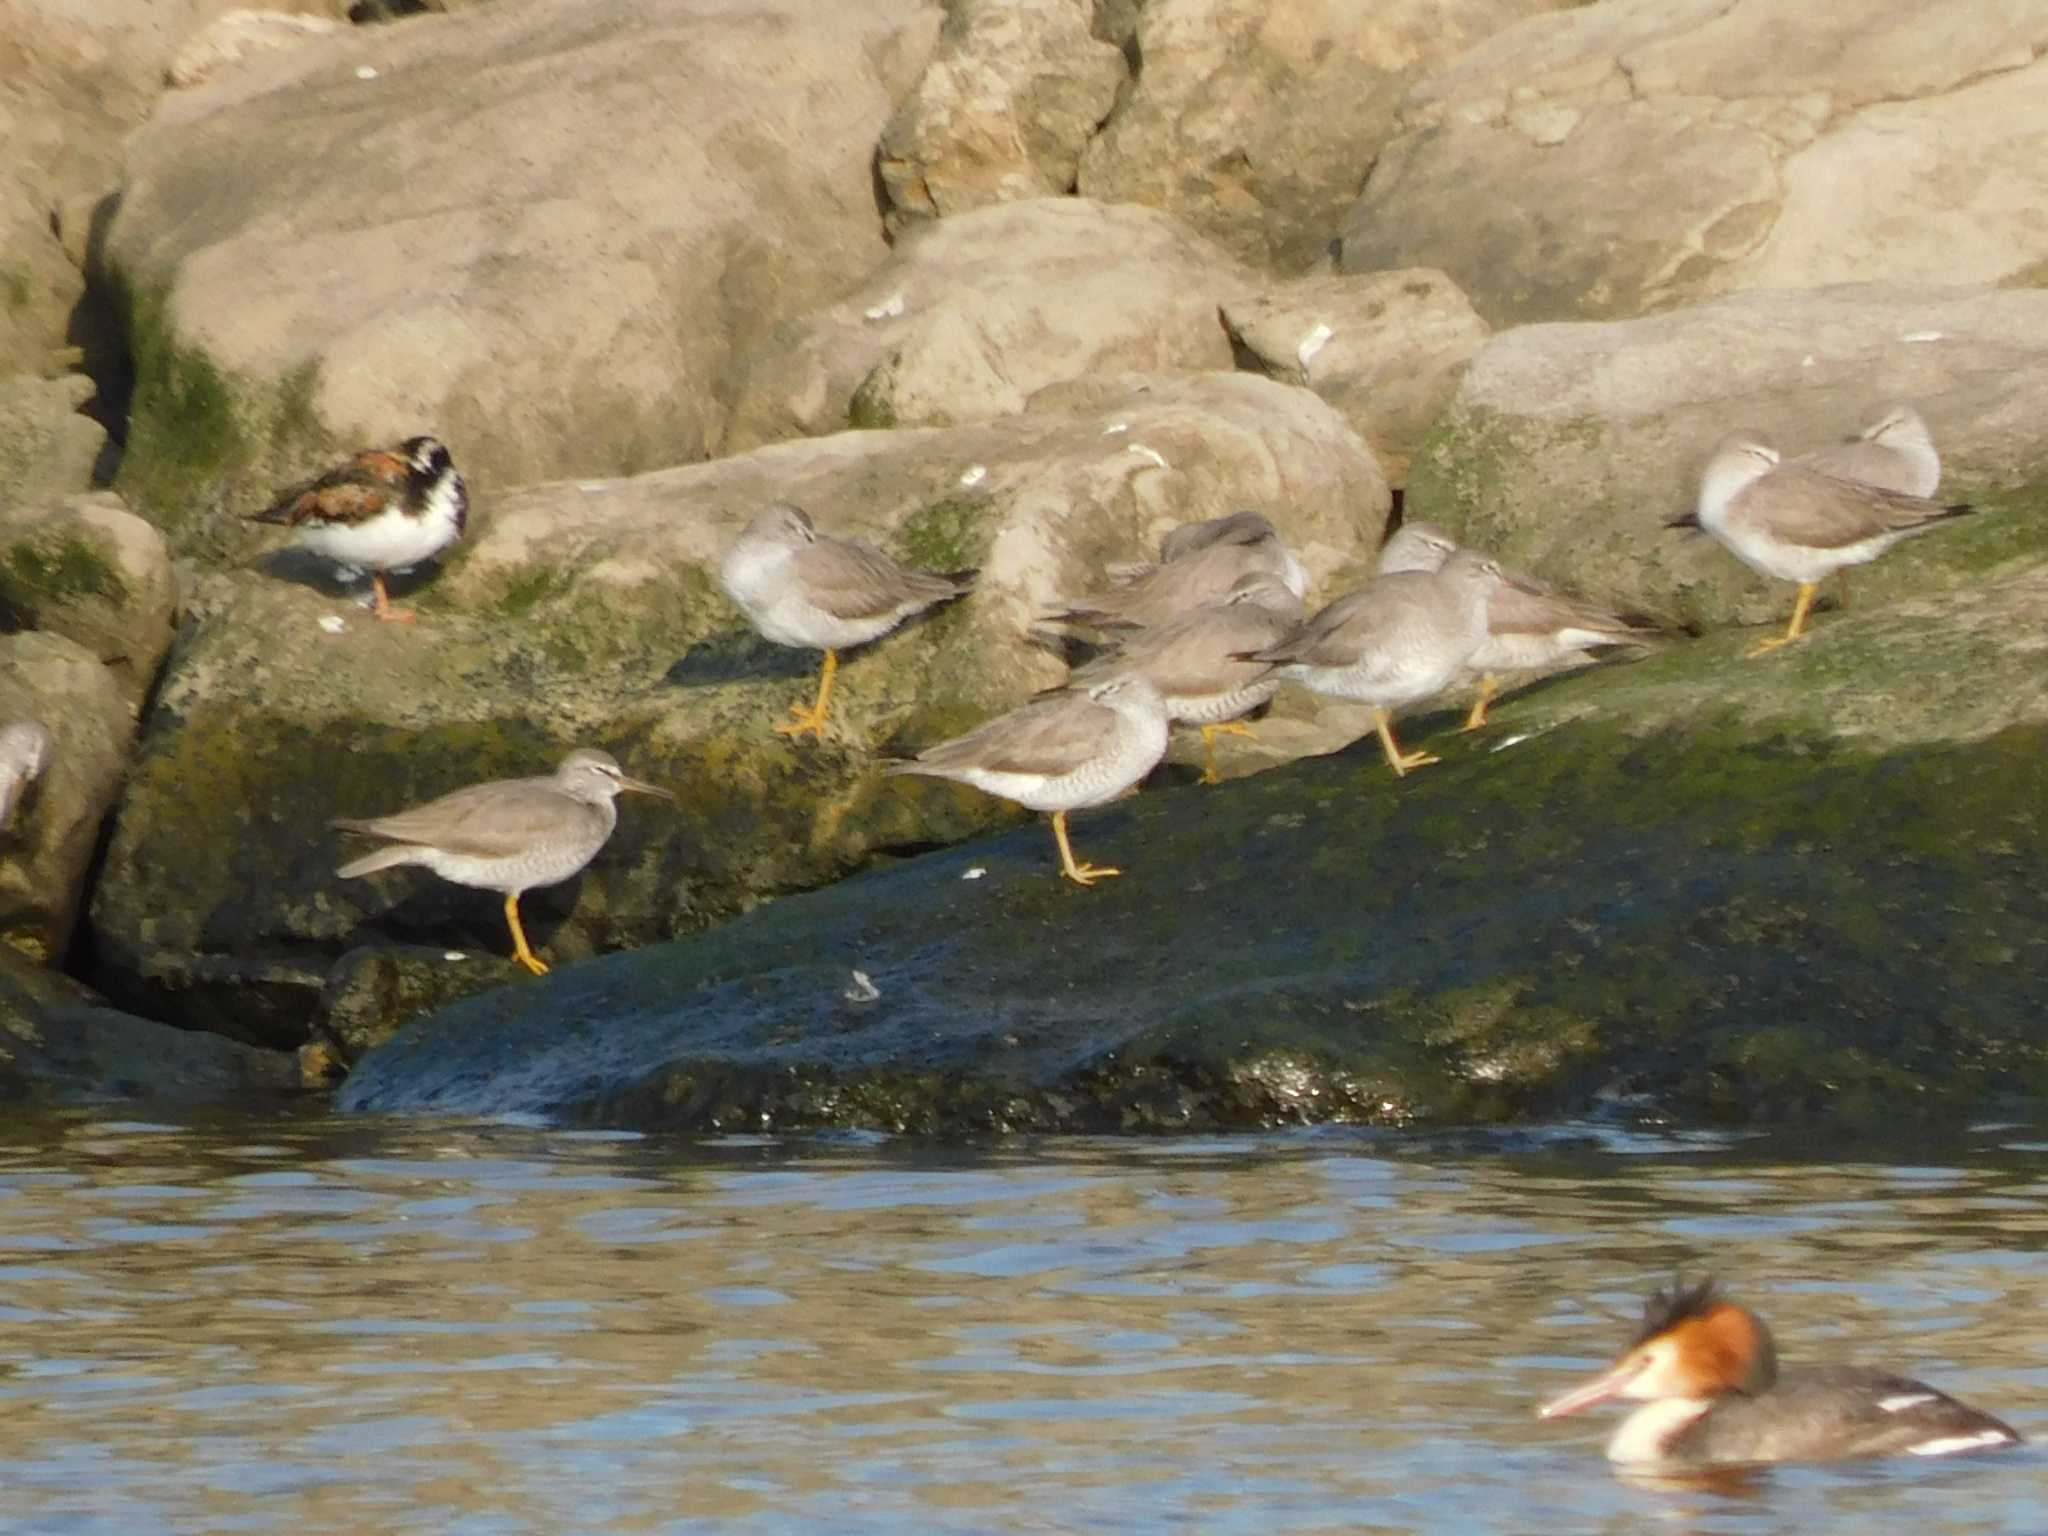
point(1801, 887)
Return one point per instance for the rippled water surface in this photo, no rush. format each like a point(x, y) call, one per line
point(319, 1326)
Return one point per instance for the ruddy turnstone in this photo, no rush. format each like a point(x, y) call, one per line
point(386, 509)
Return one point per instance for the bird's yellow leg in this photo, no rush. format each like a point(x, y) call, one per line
point(1209, 735)
point(1080, 874)
point(1398, 760)
point(812, 720)
point(1793, 630)
point(1489, 685)
point(520, 950)
point(382, 606)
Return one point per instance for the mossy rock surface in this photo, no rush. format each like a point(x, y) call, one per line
point(1804, 886)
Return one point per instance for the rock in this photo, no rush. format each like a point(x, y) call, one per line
point(373, 990)
point(567, 309)
point(233, 38)
point(45, 852)
point(1807, 888)
point(90, 570)
point(1013, 92)
point(1640, 154)
point(1387, 350)
point(61, 1044)
point(1568, 447)
point(585, 612)
point(1254, 121)
point(46, 447)
point(975, 314)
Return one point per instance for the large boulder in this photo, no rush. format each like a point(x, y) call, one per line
point(685, 172)
point(1014, 91)
point(1254, 120)
point(1569, 446)
point(1638, 154)
point(975, 314)
point(49, 845)
point(90, 570)
point(587, 612)
point(61, 1044)
point(1386, 348)
point(47, 447)
point(1802, 888)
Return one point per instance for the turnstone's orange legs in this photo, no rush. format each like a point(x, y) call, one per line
point(383, 607)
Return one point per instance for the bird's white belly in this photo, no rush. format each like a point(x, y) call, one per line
point(1524, 652)
point(538, 867)
point(1217, 708)
point(1795, 562)
point(1139, 746)
point(387, 542)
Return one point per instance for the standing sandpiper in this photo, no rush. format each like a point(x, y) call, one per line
point(1060, 752)
point(386, 509)
point(1800, 524)
point(1396, 641)
point(803, 588)
point(1527, 624)
point(1197, 660)
point(509, 835)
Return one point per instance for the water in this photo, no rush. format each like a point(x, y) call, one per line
point(319, 1326)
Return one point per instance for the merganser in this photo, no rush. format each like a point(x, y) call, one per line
point(1707, 1374)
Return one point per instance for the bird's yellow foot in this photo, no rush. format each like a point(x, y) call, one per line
point(1765, 647)
point(803, 720)
point(1477, 719)
point(533, 963)
point(1407, 762)
point(1235, 728)
point(1088, 874)
point(1209, 774)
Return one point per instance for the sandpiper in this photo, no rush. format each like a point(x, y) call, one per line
point(386, 509)
point(1527, 625)
point(25, 748)
point(807, 589)
point(1060, 752)
point(509, 835)
point(1894, 453)
point(1196, 660)
point(1394, 642)
point(1198, 563)
point(1798, 524)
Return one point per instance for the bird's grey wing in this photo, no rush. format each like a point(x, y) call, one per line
point(1819, 511)
point(1860, 459)
point(853, 580)
point(1333, 636)
point(1197, 653)
point(1512, 609)
point(1051, 735)
point(484, 821)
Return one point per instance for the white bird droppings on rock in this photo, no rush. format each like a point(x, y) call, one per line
point(974, 474)
point(1313, 343)
point(975, 873)
point(365, 72)
point(863, 989)
point(1919, 336)
point(888, 309)
point(333, 623)
point(453, 954)
point(1115, 427)
point(1509, 741)
point(1149, 453)
point(1807, 361)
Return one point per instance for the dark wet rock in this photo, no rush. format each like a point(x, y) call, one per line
point(61, 1044)
point(372, 990)
point(1802, 887)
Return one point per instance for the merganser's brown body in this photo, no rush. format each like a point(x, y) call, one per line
point(1707, 1374)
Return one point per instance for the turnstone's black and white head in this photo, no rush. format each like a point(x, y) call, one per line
point(385, 509)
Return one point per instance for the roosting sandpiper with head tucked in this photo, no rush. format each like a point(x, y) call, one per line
point(1797, 523)
point(509, 835)
point(803, 588)
point(386, 509)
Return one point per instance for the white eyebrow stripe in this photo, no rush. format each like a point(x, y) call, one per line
point(1950, 1444)
point(1905, 1400)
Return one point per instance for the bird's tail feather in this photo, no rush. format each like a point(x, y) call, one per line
point(383, 858)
